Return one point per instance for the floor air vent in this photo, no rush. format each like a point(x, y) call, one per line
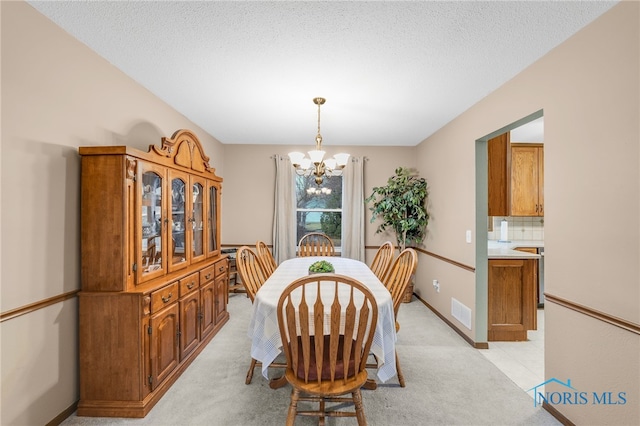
point(461, 313)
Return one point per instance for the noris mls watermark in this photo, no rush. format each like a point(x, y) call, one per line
point(572, 396)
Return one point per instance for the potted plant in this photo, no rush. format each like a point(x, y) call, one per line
point(400, 204)
point(321, 267)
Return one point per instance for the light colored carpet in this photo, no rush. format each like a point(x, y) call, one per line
point(448, 383)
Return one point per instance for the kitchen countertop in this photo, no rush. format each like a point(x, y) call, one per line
point(505, 250)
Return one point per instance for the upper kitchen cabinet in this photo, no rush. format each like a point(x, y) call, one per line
point(499, 153)
point(527, 180)
point(515, 178)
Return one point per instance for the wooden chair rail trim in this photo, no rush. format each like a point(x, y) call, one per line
point(437, 256)
point(444, 259)
point(593, 313)
point(32, 307)
point(419, 250)
point(557, 414)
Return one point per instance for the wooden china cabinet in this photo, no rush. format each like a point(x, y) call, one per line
point(154, 281)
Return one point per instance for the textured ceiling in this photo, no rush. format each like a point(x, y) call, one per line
point(392, 72)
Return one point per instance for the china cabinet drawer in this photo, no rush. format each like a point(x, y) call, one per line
point(189, 283)
point(164, 297)
point(207, 274)
point(221, 267)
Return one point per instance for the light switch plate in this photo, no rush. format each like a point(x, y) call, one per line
point(468, 235)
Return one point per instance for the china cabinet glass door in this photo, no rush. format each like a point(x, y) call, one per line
point(151, 262)
point(180, 222)
point(197, 218)
point(212, 220)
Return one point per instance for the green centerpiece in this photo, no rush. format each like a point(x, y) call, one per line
point(321, 267)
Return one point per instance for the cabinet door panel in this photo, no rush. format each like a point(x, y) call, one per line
point(221, 293)
point(499, 157)
point(189, 325)
point(527, 180)
point(151, 248)
point(213, 219)
point(541, 181)
point(198, 189)
point(511, 298)
point(164, 344)
point(207, 302)
point(180, 220)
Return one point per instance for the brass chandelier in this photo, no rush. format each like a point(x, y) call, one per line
point(316, 164)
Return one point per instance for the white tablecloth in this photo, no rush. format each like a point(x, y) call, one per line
point(264, 333)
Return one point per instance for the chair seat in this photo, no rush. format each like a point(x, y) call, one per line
point(326, 388)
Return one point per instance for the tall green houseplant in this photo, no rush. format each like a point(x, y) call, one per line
point(401, 207)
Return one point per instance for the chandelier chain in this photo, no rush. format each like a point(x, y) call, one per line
point(319, 101)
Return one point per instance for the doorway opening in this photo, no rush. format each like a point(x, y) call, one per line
point(522, 361)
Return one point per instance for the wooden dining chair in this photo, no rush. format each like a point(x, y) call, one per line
point(250, 271)
point(252, 277)
point(327, 323)
point(382, 260)
point(315, 244)
point(396, 281)
point(266, 258)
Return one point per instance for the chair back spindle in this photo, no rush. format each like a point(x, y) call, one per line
point(382, 260)
point(266, 258)
point(399, 276)
point(250, 270)
point(315, 244)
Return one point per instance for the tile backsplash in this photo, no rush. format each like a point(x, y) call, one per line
point(520, 228)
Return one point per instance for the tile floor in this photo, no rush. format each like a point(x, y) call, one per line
point(522, 362)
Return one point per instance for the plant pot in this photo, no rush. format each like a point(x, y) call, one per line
point(321, 272)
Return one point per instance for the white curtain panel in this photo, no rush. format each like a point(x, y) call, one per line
point(284, 218)
point(353, 208)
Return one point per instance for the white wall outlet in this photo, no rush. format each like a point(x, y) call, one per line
point(436, 285)
point(468, 236)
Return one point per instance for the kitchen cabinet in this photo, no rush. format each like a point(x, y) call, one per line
point(499, 156)
point(152, 271)
point(539, 281)
point(527, 180)
point(511, 299)
point(515, 178)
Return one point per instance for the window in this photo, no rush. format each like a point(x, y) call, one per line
point(319, 207)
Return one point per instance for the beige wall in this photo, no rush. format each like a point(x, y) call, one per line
point(589, 90)
point(56, 95)
point(248, 193)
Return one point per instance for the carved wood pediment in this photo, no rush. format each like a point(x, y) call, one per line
point(185, 150)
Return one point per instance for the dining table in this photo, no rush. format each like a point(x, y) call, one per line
point(266, 343)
